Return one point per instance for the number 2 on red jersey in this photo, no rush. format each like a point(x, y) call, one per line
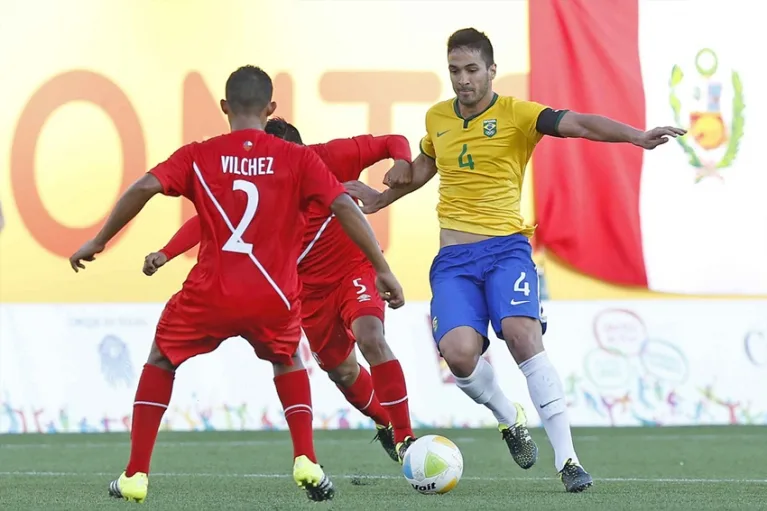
point(235, 242)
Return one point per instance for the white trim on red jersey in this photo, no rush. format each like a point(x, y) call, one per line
point(316, 237)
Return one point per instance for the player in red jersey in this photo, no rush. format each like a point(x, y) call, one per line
point(339, 306)
point(249, 190)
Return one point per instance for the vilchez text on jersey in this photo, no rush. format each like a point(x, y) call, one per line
point(261, 166)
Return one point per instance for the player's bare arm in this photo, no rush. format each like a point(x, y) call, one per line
point(359, 231)
point(598, 128)
point(423, 170)
point(128, 206)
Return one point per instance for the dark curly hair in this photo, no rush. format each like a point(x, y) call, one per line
point(472, 39)
point(281, 128)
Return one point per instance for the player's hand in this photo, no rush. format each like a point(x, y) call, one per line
point(154, 262)
point(390, 289)
point(658, 136)
point(399, 175)
point(370, 197)
point(85, 253)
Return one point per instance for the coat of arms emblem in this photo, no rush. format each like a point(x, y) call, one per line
point(710, 106)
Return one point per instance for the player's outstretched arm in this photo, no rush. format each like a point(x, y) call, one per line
point(423, 170)
point(128, 206)
point(603, 129)
point(358, 229)
point(373, 149)
point(398, 149)
point(184, 240)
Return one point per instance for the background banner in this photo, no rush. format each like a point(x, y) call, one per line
point(88, 115)
point(74, 368)
point(84, 117)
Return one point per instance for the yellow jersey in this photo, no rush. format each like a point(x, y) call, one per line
point(481, 162)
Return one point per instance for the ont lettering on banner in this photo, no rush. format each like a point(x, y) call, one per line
point(201, 119)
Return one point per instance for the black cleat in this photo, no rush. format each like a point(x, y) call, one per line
point(310, 476)
point(402, 448)
point(385, 435)
point(574, 477)
point(517, 437)
point(322, 492)
point(114, 489)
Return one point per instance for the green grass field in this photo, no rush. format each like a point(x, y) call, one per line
point(648, 469)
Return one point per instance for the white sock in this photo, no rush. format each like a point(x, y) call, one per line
point(482, 387)
point(548, 397)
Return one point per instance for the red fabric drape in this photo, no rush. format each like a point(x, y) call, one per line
point(585, 57)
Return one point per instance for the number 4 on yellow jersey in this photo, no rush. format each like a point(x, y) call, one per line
point(465, 159)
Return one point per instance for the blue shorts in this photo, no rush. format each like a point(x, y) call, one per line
point(484, 282)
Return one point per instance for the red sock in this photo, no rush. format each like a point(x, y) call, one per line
point(362, 396)
point(389, 384)
point(296, 398)
point(152, 397)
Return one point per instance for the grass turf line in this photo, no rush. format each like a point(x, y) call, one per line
point(634, 468)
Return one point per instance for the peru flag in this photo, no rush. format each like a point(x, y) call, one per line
point(690, 216)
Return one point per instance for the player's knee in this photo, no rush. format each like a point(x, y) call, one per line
point(345, 374)
point(461, 349)
point(295, 364)
point(375, 349)
point(156, 358)
point(523, 337)
point(372, 342)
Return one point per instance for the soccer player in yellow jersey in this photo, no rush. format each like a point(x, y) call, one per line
point(480, 143)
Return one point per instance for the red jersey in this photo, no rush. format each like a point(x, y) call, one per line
point(328, 252)
point(250, 190)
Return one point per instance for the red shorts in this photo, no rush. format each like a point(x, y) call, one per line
point(185, 332)
point(327, 314)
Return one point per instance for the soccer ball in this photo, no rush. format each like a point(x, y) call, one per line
point(433, 464)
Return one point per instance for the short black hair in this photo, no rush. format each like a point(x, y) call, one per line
point(248, 90)
point(472, 39)
point(281, 128)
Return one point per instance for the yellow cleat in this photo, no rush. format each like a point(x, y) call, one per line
point(132, 489)
point(517, 437)
point(310, 476)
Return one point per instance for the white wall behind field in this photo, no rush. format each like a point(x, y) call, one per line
point(74, 368)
